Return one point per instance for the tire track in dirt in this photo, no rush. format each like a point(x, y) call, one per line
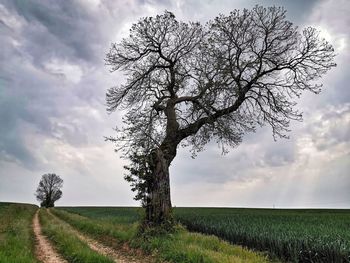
point(101, 248)
point(44, 251)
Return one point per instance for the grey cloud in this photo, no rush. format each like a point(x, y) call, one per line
point(59, 27)
point(52, 103)
point(13, 150)
point(12, 143)
point(331, 128)
point(332, 19)
point(30, 95)
point(334, 183)
point(43, 46)
point(281, 154)
point(257, 151)
point(328, 128)
point(297, 11)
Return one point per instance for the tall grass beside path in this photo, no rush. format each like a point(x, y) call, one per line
point(67, 243)
point(180, 246)
point(16, 233)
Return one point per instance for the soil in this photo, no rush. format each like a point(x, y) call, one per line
point(44, 250)
point(101, 248)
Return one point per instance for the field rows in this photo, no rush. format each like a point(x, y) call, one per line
point(292, 235)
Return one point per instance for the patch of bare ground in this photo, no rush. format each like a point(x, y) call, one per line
point(118, 254)
point(44, 250)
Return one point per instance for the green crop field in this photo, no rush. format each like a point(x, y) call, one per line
point(294, 235)
point(115, 226)
point(305, 235)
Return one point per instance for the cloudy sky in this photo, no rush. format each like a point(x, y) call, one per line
point(53, 115)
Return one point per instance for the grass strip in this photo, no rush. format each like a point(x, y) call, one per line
point(181, 246)
point(67, 243)
point(16, 233)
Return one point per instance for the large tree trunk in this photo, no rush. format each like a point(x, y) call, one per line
point(158, 207)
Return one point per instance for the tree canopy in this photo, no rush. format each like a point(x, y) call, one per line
point(188, 83)
point(224, 78)
point(49, 190)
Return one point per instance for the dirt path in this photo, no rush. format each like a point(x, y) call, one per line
point(101, 248)
point(44, 250)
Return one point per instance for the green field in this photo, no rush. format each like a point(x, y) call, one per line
point(293, 235)
point(305, 235)
point(116, 229)
point(111, 226)
point(16, 236)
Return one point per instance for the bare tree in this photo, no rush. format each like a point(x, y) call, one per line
point(49, 190)
point(188, 84)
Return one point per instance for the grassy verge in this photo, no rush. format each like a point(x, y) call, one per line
point(16, 234)
point(70, 246)
point(181, 246)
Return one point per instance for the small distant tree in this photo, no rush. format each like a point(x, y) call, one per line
point(189, 83)
point(49, 190)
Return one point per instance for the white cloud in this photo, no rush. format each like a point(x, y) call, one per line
point(10, 20)
point(332, 19)
point(71, 72)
